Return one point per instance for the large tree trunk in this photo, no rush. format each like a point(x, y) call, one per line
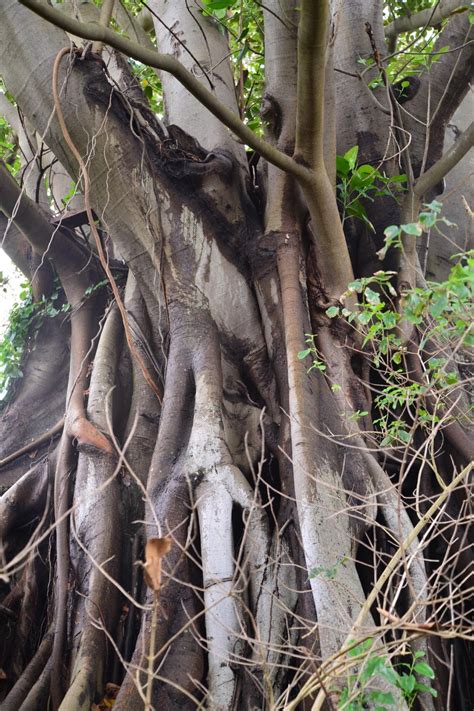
point(176, 405)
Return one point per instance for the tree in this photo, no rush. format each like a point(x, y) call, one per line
point(234, 371)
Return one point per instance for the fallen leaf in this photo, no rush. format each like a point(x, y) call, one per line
point(111, 693)
point(155, 549)
point(111, 690)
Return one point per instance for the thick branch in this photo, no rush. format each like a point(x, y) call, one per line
point(424, 18)
point(104, 20)
point(312, 36)
point(443, 86)
point(75, 274)
point(40, 233)
point(15, 245)
point(446, 163)
point(168, 63)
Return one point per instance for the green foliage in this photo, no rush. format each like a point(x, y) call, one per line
point(375, 668)
point(242, 22)
point(218, 8)
point(24, 321)
point(70, 194)
point(328, 572)
point(8, 142)
point(442, 312)
point(317, 363)
point(357, 184)
point(13, 342)
point(415, 50)
point(95, 287)
point(446, 314)
point(151, 85)
point(428, 219)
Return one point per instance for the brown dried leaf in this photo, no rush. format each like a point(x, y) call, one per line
point(155, 549)
point(108, 702)
point(111, 690)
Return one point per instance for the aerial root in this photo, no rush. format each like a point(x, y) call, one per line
point(34, 444)
point(38, 696)
point(88, 437)
point(26, 498)
point(29, 676)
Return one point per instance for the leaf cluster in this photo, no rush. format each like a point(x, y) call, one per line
point(443, 314)
point(25, 319)
point(357, 184)
point(404, 676)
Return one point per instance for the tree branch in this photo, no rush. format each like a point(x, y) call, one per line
point(425, 18)
point(446, 163)
point(106, 11)
point(30, 219)
point(15, 246)
point(312, 40)
point(442, 88)
point(168, 63)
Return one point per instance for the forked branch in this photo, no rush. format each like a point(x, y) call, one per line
point(168, 63)
point(312, 40)
point(425, 18)
point(451, 158)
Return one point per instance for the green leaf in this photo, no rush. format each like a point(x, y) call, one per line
point(407, 683)
point(373, 664)
point(360, 648)
point(366, 170)
point(434, 206)
point(218, 4)
point(391, 232)
point(351, 156)
point(429, 689)
point(342, 166)
point(389, 674)
point(242, 52)
point(382, 697)
point(399, 178)
point(371, 296)
point(412, 228)
point(404, 436)
point(332, 311)
point(424, 669)
point(304, 354)
point(364, 317)
point(439, 304)
point(355, 285)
